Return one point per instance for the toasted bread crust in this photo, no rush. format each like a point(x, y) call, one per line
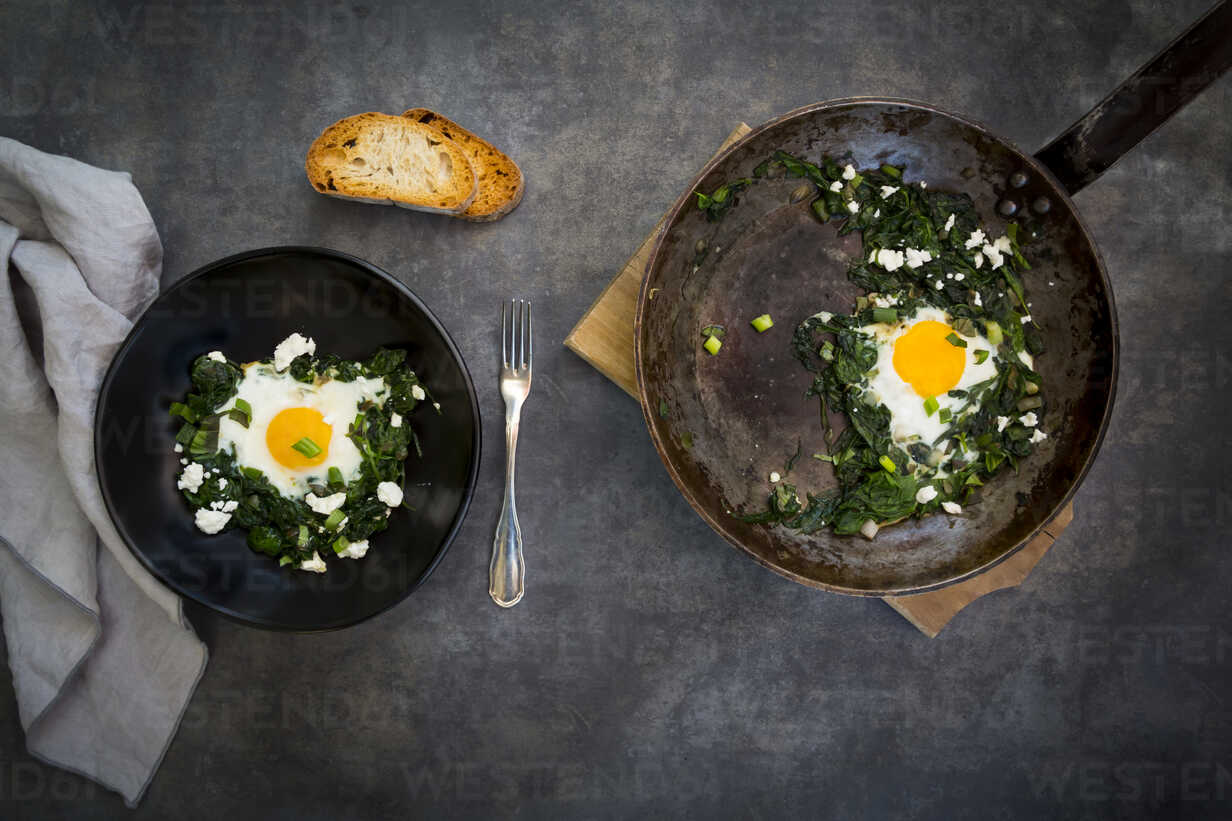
point(379, 158)
point(501, 183)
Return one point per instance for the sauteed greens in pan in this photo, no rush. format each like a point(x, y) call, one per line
point(934, 370)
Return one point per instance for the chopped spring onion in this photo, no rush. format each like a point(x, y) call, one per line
point(243, 407)
point(888, 463)
point(335, 476)
point(993, 331)
point(955, 340)
point(200, 444)
point(284, 561)
point(186, 434)
point(945, 416)
point(885, 315)
point(980, 356)
point(252, 473)
point(931, 405)
point(762, 323)
point(307, 447)
point(892, 171)
point(333, 519)
point(712, 344)
point(304, 536)
point(182, 410)
point(340, 544)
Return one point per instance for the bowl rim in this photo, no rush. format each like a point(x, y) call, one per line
point(472, 472)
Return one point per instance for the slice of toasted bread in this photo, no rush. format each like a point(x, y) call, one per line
point(379, 158)
point(500, 180)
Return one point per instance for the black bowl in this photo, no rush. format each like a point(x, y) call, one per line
point(245, 305)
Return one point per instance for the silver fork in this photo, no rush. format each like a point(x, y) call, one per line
point(507, 573)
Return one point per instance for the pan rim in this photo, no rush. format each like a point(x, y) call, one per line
point(672, 217)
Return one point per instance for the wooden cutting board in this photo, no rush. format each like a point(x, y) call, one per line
point(604, 338)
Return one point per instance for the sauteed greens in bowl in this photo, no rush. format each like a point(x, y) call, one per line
point(305, 453)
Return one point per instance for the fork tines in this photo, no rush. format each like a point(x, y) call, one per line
point(516, 334)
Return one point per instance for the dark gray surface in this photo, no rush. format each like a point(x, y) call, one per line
point(652, 670)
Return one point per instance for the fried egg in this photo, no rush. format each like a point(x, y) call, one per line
point(916, 363)
point(284, 412)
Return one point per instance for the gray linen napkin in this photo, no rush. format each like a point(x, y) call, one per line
point(103, 660)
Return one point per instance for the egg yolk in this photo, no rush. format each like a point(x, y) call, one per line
point(292, 425)
point(925, 360)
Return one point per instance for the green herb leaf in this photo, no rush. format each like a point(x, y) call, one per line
point(955, 340)
point(980, 356)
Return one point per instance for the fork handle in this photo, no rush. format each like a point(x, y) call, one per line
point(507, 573)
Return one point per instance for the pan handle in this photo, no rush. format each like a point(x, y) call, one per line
point(1144, 102)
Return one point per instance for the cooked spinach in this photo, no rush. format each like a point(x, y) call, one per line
point(960, 271)
point(288, 529)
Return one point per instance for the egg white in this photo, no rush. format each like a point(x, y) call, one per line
point(908, 420)
point(269, 392)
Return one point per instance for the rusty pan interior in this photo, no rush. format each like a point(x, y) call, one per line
point(723, 423)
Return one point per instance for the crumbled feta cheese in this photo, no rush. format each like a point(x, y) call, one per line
point(917, 257)
point(222, 483)
point(952, 507)
point(926, 494)
point(940, 285)
point(418, 393)
point(853, 206)
point(923, 184)
point(975, 240)
point(1002, 421)
point(849, 173)
point(774, 477)
point(183, 461)
point(179, 448)
point(1026, 359)
point(836, 186)
point(877, 213)
point(326, 505)
point(994, 255)
point(216, 356)
point(979, 302)
point(948, 275)
point(389, 493)
point(949, 223)
point(211, 521)
point(1029, 419)
point(354, 550)
point(1051, 283)
point(960, 276)
point(291, 347)
point(888, 191)
point(872, 255)
point(1025, 319)
point(1038, 436)
point(436, 405)
point(979, 260)
point(191, 478)
point(890, 259)
point(1002, 244)
point(395, 420)
point(314, 565)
